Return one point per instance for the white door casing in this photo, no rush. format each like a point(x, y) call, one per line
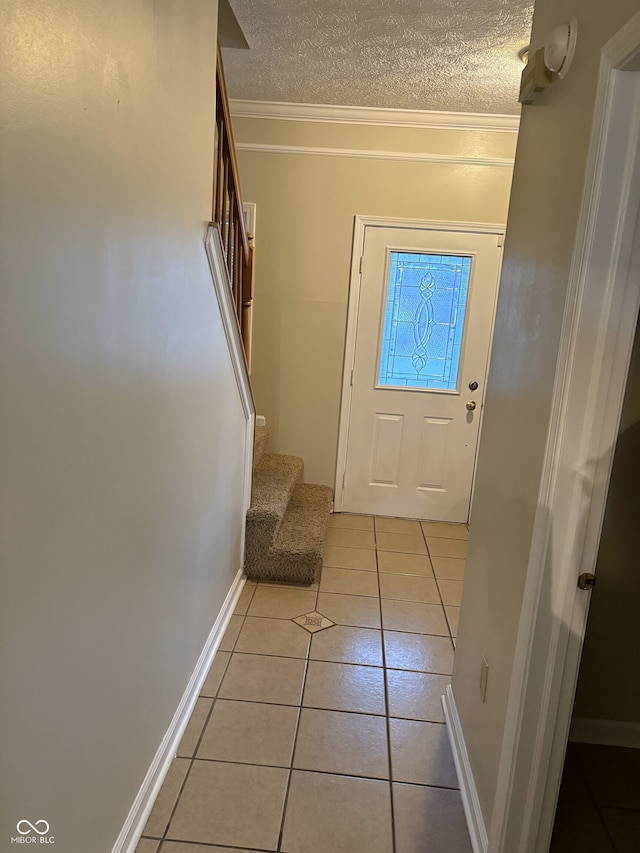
point(411, 452)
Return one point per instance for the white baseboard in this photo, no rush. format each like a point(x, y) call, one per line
point(468, 791)
point(130, 834)
point(605, 732)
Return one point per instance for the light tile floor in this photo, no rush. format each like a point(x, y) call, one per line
point(333, 741)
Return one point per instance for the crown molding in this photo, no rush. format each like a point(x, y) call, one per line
point(366, 154)
point(373, 116)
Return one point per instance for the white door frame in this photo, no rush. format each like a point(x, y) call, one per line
point(360, 224)
point(598, 330)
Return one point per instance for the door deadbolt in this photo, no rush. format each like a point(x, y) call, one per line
point(471, 404)
point(587, 581)
point(473, 386)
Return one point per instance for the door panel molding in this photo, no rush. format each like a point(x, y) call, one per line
point(387, 441)
point(434, 436)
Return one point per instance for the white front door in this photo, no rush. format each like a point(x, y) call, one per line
point(424, 321)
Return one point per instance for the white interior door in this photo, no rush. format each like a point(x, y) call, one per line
point(424, 321)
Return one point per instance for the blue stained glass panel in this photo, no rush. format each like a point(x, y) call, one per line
point(423, 320)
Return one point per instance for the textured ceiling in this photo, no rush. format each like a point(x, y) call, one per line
point(453, 55)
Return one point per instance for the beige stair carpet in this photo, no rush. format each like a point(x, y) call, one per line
point(287, 520)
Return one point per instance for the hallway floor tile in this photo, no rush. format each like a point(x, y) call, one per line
point(332, 741)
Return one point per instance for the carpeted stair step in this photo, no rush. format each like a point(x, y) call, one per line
point(273, 482)
point(296, 553)
point(260, 442)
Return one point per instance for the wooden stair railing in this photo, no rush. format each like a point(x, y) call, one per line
point(228, 215)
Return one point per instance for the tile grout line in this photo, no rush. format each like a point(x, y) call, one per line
point(332, 772)
point(444, 612)
point(297, 729)
point(192, 758)
point(206, 846)
point(291, 758)
point(310, 707)
point(175, 805)
point(386, 698)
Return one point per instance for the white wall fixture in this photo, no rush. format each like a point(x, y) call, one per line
point(560, 47)
point(549, 63)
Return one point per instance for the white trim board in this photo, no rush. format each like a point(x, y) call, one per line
point(366, 154)
point(598, 329)
point(605, 732)
point(222, 288)
point(468, 790)
point(143, 803)
point(335, 114)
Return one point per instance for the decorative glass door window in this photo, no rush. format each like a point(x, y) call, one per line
point(424, 312)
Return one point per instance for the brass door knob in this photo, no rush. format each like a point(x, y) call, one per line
point(471, 404)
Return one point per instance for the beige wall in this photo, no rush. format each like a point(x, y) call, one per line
point(306, 206)
point(546, 194)
point(120, 464)
point(608, 688)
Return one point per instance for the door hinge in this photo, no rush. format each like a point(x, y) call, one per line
point(351, 379)
point(500, 240)
point(344, 475)
point(361, 263)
